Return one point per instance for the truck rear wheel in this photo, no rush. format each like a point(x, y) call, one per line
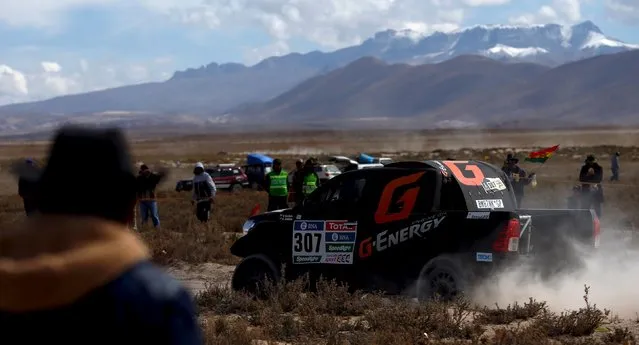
point(441, 279)
point(252, 273)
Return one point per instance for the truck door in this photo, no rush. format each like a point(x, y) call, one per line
point(332, 211)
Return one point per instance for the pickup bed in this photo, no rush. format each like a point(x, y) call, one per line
point(428, 229)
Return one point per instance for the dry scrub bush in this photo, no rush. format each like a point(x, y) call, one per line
point(574, 323)
point(501, 316)
point(329, 314)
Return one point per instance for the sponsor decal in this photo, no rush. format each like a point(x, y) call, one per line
point(340, 247)
point(286, 217)
point(478, 215)
point(340, 236)
point(490, 203)
point(340, 225)
point(484, 257)
point(308, 225)
point(493, 184)
point(307, 259)
point(299, 216)
point(384, 240)
point(338, 259)
point(325, 242)
point(442, 168)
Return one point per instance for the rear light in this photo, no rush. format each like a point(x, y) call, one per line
point(508, 238)
point(596, 231)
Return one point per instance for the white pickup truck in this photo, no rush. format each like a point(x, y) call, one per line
point(344, 163)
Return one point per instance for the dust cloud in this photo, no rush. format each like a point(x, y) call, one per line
point(611, 272)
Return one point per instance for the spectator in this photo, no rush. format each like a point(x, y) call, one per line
point(614, 167)
point(27, 190)
point(518, 178)
point(591, 175)
point(75, 274)
point(147, 181)
point(203, 193)
point(275, 185)
point(296, 180)
point(310, 181)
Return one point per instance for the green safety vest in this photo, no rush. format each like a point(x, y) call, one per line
point(310, 184)
point(279, 183)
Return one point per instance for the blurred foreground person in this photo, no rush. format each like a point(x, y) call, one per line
point(203, 193)
point(147, 181)
point(26, 189)
point(275, 183)
point(74, 273)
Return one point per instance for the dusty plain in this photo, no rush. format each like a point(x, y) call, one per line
point(198, 254)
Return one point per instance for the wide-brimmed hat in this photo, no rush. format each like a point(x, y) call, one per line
point(88, 172)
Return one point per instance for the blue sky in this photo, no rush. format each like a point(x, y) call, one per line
point(104, 43)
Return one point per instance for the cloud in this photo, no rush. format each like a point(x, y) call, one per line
point(12, 83)
point(50, 80)
point(329, 23)
point(38, 13)
point(557, 11)
point(624, 10)
point(254, 55)
point(50, 67)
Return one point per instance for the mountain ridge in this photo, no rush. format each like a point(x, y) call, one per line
point(213, 90)
point(467, 90)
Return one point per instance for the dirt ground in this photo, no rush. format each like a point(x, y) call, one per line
point(198, 254)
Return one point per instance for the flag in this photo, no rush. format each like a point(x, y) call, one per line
point(541, 156)
point(255, 211)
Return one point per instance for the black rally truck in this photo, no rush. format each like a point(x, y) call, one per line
point(432, 228)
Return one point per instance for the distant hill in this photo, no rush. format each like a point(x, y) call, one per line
point(212, 90)
point(467, 90)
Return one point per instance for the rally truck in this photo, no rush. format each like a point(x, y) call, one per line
point(425, 228)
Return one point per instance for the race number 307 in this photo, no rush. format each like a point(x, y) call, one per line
point(307, 242)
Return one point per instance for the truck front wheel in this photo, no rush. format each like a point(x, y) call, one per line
point(442, 279)
point(252, 273)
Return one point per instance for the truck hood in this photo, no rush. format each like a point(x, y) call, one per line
point(270, 216)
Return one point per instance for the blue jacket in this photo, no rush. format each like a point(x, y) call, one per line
point(82, 280)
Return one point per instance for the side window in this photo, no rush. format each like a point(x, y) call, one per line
point(226, 173)
point(236, 171)
point(346, 191)
point(214, 173)
point(452, 196)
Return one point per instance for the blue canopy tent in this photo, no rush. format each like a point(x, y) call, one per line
point(258, 159)
point(365, 159)
point(257, 166)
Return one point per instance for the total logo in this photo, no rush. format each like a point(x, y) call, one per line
point(337, 225)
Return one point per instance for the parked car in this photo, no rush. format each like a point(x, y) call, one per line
point(224, 177)
point(326, 172)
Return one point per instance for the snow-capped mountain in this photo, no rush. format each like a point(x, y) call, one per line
point(550, 43)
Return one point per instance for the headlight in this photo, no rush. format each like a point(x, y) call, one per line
point(248, 225)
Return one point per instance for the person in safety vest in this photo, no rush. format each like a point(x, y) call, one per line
point(310, 181)
point(276, 184)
